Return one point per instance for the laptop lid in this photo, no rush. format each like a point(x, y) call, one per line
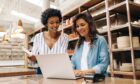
point(56, 66)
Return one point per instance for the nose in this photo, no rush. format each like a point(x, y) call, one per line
point(56, 25)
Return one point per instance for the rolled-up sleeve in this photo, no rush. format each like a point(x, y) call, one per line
point(73, 58)
point(103, 58)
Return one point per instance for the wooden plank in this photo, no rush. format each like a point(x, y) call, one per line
point(109, 35)
point(119, 5)
point(13, 71)
point(74, 39)
point(119, 27)
point(123, 49)
point(122, 73)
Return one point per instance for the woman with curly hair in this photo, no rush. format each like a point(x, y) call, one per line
point(51, 41)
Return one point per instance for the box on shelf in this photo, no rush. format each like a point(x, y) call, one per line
point(126, 67)
point(137, 64)
point(137, 1)
point(115, 19)
point(124, 42)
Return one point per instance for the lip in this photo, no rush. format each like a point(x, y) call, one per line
point(54, 29)
point(81, 31)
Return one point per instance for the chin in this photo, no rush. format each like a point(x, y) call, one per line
point(82, 35)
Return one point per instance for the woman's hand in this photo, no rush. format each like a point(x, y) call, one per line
point(84, 72)
point(79, 73)
point(32, 58)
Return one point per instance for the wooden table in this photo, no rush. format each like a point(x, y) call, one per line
point(13, 71)
point(38, 79)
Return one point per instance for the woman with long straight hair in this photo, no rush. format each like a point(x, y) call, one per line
point(91, 54)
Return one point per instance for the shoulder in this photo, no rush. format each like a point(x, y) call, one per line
point(39, 34)
point(100, 38)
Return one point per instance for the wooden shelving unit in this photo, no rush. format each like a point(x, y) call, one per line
point(11, 53)
point(127, 8)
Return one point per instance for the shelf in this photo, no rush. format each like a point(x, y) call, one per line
point(122, 73)
point(75, 10)
point(125, 49)
point(137, 48)
point(124, 27)
point(126, 73)
point(118, 27)
point(65, 27)
point(121, 8)
point(114, 28)
point(37, 31)
point(102, 31)
point(13, 71)
point(135, 26)
point(68, 26)
point(99, 14)
point(117, 6)
point(74, 39)
point(32, 67)
point(12, 62)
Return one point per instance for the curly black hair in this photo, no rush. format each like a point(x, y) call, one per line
point(91, 25)
point(50, 12)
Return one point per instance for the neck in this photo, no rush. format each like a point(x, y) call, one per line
point(53, 35)
point(87, 38)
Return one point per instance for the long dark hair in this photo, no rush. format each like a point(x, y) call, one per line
point(91, 25)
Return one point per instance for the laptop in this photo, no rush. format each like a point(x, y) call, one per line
point(56, 66)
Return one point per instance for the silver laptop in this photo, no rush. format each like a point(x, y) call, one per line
point(56, 66)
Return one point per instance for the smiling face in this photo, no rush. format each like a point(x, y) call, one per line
point(53, 24)
point(82, 27)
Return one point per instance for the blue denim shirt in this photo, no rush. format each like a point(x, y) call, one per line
point(98, 56)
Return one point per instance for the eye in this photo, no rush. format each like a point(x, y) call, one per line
point(57, 22)
point(82, 24)
point(51, 22)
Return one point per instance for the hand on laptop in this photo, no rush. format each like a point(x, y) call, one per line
point(80, 73)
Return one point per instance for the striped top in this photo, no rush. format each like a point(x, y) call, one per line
point(40, 47)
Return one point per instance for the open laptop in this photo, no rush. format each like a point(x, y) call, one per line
point(56, 66)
